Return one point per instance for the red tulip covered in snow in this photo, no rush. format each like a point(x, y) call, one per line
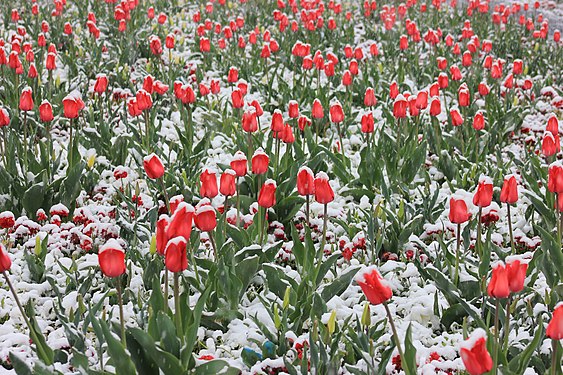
point(111, 257)
point(474, 354)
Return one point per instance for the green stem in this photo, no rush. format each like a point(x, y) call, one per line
point(395, 335)
point(32, 332)
point(458, 249)
point(554, 364)
point(166, 285)
point(120, 302)
point(496, 343)
point(177, 312)
point(307, 209)
point(165, 193)
point(213, 244)
point(238, 204)
point(478, 243)
point(510, 229)
point(325, 223)
point(506, 325)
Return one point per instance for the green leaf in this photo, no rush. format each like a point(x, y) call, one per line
point(33, 198)
point(410, 353)
point(336, 287)
point(20, 366)
point(216, 367)
point(120, 358)
point(169, 364)
point(519, 363)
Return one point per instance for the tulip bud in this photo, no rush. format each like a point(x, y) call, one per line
point(366, 316)
point(286, 296)
point(153, 166)
point(111, 258)
point(331, 324)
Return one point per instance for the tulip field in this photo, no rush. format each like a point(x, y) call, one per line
point(270, 187)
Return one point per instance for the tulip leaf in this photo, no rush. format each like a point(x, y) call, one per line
point(216, 367)
point(519, 363)
point(336, 287)
point(120, 359)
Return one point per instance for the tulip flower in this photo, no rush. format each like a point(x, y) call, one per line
point(458, 215)
point(479, 121)
point(555, 327)
point(153, 166)
point(175, 254)
point(550, 144)
point(377, 291)
point(5, 265)
point(206, 220)
point(227, 183)
point(45, 111)
point(482, 198)
point(266, 199)
point(516, 268)
point(111, 258)
point(509, 195)
point(293, 109)
point(400, 107)
point(306, 186)
point(435, 106)
point(369, 98)
point(317, 111)
point(181, 221)
point(26, 100)
point(474, 354)
point(162, 233)
point(457, 119)
point(260, 162)
point(498, 286)
point(101, 84)
point(208, 181)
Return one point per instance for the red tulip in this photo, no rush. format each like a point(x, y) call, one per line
point(374, 286)
point(153, 166)
point(239, 164)
point(45, 111)
point(50, 63)
point(516, 270)
point(393, 90)
point(169, 41)
point(484, 194)
point(161, 233)
point(443, 81)
point(555, 177)
point(5, 261)
point(550, 144)
point(369, 98)
point(483, 89)
point(101, 83)
point(155, 45)
point(458, 210)
point(509, 191)
point(249, 120)
point(517, 66)
point(26, 100)
point(498, 286)
point(457, 119)
point(317, 111)
point(555, 327)
point(267, 195)
point(474, 354)
point(72, 104)
point(4, 117)
point(422, 99)
point(400, 107)
point(174, 202)
point(205, 217)
point(336, 112)
point(305, 181)
point(260, 162)
point(368, 123)
point(323, 191)
point(144, 100)
point(112, 259)
point(463, 95)
point(277, 121)
point(232, 76)
point(181, 222)
point(175, 255)
point(435, 106)
point(552, 125)
point(293, 110)
point(403, 42)
point(237, 98)
point(7, 220)
point(227, 185)
point(479, 121)
point(208, 181)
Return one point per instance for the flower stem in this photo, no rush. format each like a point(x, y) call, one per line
point(478, 243)
point(510, 229)
point(395, 335)
point(307, 208)
point(238, 204)
point(165, 193)
point(177, 313)
point(213, 244)
point(120, 302)
point(554, 364)
point(495, 354)
point(166, 285)
point(458, 248)
point(325, 223)
point(506, 325)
